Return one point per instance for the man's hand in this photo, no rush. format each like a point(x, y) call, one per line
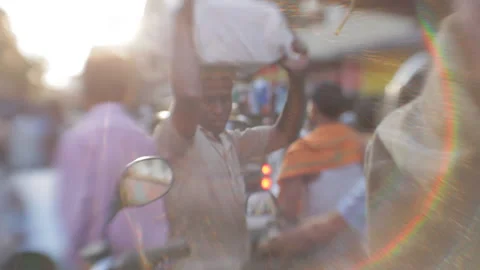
point(297, 65)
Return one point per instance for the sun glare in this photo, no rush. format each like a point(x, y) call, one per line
point(64, 31)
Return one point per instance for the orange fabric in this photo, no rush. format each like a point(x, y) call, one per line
point(327, 147)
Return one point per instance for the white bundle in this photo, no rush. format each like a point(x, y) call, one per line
point(241, 32)
point(236, 32)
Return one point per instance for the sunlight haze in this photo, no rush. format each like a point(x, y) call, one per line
point(64, 31)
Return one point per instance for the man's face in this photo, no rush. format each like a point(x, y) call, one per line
point(217, 103)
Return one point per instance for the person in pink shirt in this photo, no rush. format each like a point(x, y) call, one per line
point(92, 156)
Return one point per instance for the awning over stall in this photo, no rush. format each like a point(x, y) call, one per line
point(364, 30)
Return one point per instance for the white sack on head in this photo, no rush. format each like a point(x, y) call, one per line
point(235, 32)
point(241, 32)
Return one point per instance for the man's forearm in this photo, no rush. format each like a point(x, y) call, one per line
point(185, 74)
point(291, 120)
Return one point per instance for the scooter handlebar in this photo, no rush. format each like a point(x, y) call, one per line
point(133, 260)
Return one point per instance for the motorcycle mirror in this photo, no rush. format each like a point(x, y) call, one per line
point(144, 181)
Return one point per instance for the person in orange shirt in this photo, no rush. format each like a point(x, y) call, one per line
point(317, 174)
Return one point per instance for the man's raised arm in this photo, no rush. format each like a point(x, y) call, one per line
point(185, 74)
point(175, 135)
point(288, 125)
point(258, 141)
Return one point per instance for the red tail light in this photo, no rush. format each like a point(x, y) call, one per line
point(266, 183)
point(266, 169)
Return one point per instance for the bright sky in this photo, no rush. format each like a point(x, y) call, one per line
point(64, 31)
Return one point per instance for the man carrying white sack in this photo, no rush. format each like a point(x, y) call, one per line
point(206, 205)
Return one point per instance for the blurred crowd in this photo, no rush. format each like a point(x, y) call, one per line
point(31, 133)
point(322, 174)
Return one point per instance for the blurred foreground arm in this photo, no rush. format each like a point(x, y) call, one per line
point(302, 238)
point(350, 212)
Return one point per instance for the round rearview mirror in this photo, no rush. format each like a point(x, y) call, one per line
point(145, 180)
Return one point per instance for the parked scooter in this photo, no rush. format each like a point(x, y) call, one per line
point(264, 221)
point(262, 215)
point(144, 181)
